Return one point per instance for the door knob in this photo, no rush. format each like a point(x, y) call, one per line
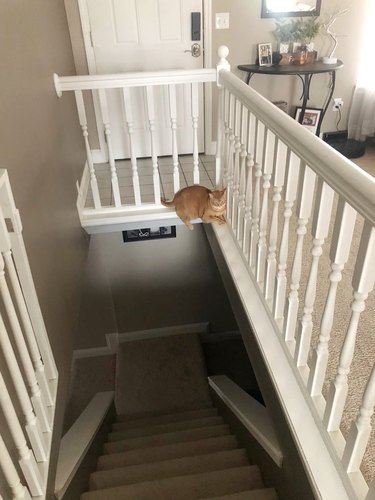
point(195, 50)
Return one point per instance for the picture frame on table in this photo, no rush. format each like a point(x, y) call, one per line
point(310, 119)
point(265, 54)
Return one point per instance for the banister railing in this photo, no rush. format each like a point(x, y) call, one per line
point(28, 378)
point(125, 85)
point(288, 191)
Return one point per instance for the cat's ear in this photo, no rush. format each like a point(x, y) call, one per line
point(224, 191)
point(211, 195)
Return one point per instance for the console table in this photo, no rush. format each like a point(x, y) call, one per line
point(305, 72)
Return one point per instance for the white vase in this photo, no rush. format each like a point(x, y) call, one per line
point(329, 60)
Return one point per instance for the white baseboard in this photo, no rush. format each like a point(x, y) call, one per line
point(114, 339)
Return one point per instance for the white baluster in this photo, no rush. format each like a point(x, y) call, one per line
point(305, 205)
point(128, 112)
point(290, 197)
point(320, 227)
point(23, 353)
point(28, 290)
point(278, 183)
point(31, 424)
point(252, 134)
point(360, 430)
point(151, 121)
point(258, 152)
point(19, 491)
point(248, 204)
point(363, 283)
point(173, 118)
point(340, 247)
point(241, 195)
point(230, 157)
point(25, 457)
point(38, 366)
point(220, 142)
point(107, 132)
point(226, 137)
point(90, 163)
point(195, 117)
point(269, 155)
point(236, 171)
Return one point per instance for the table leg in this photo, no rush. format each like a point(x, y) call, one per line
point(330, 94)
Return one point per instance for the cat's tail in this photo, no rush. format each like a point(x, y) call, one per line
point(167, 203)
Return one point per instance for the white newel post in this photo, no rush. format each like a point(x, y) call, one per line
point(320, 227)
point(222, 65)
point(363, 283)
point(128, 111)
point(19, 491)
point(173, 118)
point(340, 247)
point(151, 121)
point(305, 206)
point(290, 198)
point(83, 122)
point(195, 118)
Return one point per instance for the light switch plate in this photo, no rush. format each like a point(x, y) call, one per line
point(222, 20)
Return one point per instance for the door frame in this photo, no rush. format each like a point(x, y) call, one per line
point(209, 145)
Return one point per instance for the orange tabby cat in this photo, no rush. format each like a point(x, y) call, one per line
point(195, 202)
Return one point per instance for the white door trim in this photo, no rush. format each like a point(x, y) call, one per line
point(209, 145)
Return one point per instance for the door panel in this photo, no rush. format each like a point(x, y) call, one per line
point(146, 35)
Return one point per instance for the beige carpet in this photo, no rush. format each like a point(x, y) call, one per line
point(364, 356)
point(165, 374)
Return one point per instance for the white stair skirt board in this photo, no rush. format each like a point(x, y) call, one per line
point(114, 339)
point(77, 440)
point(320, 462)
point(252, 414)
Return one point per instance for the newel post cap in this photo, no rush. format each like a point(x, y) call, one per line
point(223, 64)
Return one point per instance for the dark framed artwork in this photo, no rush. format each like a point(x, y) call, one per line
point(149, 233)
point(278, 8)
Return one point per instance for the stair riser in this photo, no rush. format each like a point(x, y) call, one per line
point(164, 428)
point(126, 422)
point(185, 487)
point(177, 467)
point(169, 452)
point(163, 439)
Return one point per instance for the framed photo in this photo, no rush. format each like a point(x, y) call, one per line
point(265, 54)
point(310, 119)
point(149, 233)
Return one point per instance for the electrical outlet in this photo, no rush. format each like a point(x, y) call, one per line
point(222, 20)
point(338, 103)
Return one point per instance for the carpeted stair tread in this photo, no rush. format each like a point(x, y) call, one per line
point(167, 438)
point(187, 487)
point(169, 468)
point(143, 420)
point(263, 494)
point(164, 428)
point(167, 452)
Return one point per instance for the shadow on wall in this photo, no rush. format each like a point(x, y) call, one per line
point(153, 284)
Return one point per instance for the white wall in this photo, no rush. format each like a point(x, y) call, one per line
point(247, 29)
point(160, 283)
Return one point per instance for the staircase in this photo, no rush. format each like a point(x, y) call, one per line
point(184, 455)
point(168, 441)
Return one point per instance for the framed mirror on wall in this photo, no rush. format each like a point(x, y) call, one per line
point(290, 8)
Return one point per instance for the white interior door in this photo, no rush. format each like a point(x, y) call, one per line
point(146, 35)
